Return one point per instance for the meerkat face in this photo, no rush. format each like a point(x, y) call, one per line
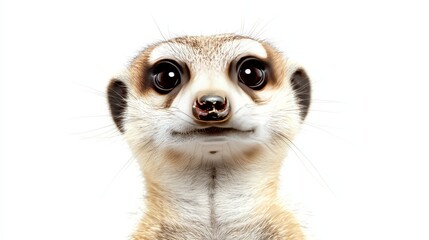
point(209, 98)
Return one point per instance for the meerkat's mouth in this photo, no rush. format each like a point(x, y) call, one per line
point(214, 131)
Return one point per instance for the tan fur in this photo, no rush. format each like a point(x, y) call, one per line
point(191, 193)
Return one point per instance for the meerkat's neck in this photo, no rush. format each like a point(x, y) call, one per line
point(214, 200)
point(204, 191)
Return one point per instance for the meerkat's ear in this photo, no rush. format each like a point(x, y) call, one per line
point(302, 88)
point(117, 92)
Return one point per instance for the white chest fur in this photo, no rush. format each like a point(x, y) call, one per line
point(218, 202)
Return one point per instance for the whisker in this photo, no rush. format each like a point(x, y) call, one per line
point(322, 129)
point(110, 127)
point(125, 166)
point(308, 164)
point(88, 117)
point(92, 90)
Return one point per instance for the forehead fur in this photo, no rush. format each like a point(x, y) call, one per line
point(216, 51)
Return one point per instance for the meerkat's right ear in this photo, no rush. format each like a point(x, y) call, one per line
point(302, 87)
point(117, 92)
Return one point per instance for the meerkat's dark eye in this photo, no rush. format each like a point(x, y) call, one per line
point(166, 76)
point(252, 72)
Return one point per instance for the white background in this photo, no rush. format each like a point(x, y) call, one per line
point(67, 174)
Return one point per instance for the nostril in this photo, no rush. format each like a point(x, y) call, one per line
point(219, 105)
point(211, 108)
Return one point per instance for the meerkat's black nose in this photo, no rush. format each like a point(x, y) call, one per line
point(211, 108)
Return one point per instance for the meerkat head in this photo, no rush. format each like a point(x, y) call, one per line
point(209, 99)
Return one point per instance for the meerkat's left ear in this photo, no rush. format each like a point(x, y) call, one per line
point(302, 88)
point(117, 93)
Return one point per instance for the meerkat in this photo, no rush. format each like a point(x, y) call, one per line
point(210, 120)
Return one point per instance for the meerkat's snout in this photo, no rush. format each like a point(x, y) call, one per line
point(217, 108)
point(211, 108)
